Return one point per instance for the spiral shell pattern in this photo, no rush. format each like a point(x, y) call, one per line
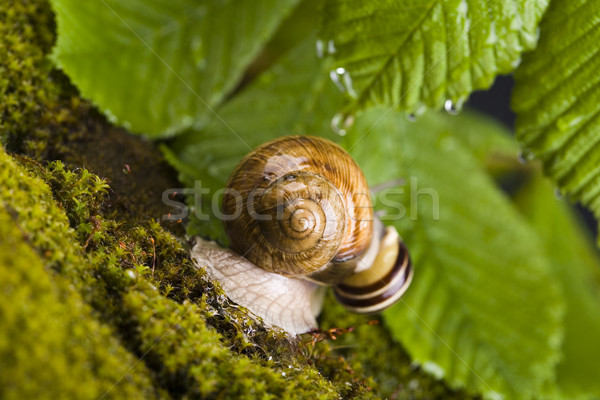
point(299, 203)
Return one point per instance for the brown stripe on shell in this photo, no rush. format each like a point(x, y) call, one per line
point(399, 266)
point(384, 293)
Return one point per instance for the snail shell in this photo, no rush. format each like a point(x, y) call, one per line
point(299, 216)
point(305, 209)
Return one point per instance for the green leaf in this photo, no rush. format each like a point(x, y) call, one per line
point(486, 139)
point(576, 263)
point(160, 66)
point(483, 310)
point(557, 99)
point(295, 96)
point(409, 53)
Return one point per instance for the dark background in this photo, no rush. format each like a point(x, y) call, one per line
point(496, 101)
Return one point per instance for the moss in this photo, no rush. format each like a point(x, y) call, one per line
point(370, 349)
point(110, 291)
point(51, 346)
point(28, 95)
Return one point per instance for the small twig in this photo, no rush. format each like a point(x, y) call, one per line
point(95, 229)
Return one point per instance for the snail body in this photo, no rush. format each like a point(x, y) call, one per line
point(298, 209)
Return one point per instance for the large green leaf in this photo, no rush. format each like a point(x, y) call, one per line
point(408, 53)
point(483, 310)
point(575, 262)
point(557, 99)
point(158, 66)
point(295, 96)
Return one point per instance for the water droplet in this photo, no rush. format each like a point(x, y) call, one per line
point(343, 81)
point(348, 122)
point(558, 194)
point(434, 369)
point(335, 77)
point(336, 123)
point(525, 156)
point(112, 118)
point(331, 47)
point(453, 108)
point(420, 109)
point(348, 84)
point(411, 117)
point(320, 47)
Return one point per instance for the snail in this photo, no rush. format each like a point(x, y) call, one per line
point(298, 215)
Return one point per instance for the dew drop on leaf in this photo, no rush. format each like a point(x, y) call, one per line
point(525, 156)
point(522, 157)
point(558, 194)
point(453, 108)
point(335, 77)
point(419, 110)
point(331, 47)
point(336, 124)
point(320, 47)
point(348, 122)
point(348, 84)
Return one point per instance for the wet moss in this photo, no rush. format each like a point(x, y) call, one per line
point(28, 92)
point(51, 346)
point(371, 351)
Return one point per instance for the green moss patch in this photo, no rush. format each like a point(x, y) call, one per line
point(51, 345)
